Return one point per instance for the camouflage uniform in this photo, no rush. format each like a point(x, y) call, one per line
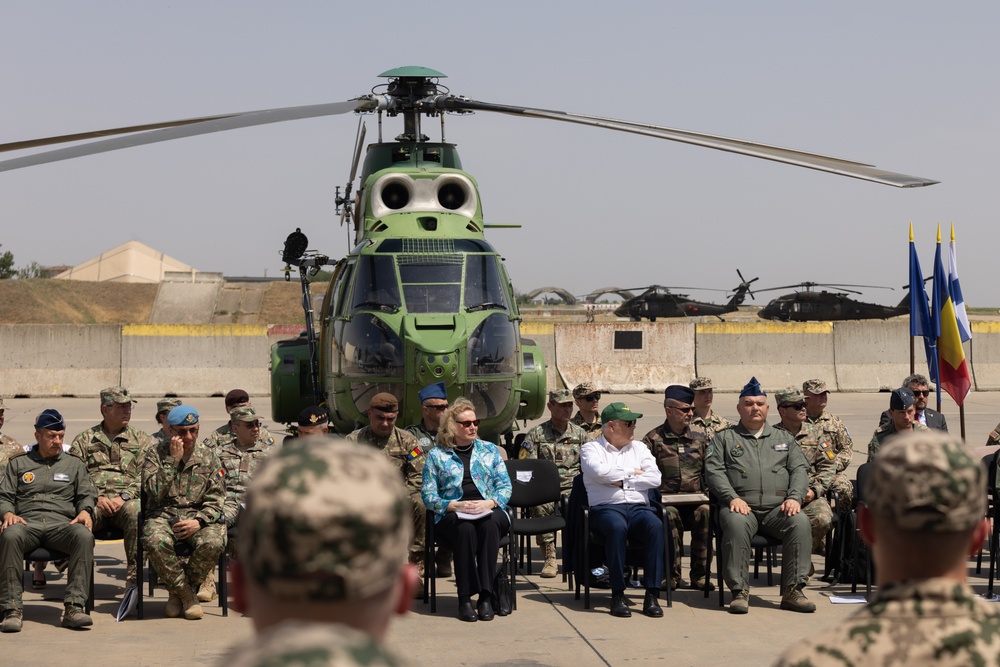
point(709, 425)
point(835, 432)
point(563, 449)
point(593, 430)
point(920, 485)
point(820, 457)
point(884, 434)
point(681, 460)
point(322, 525)
point(993, 439)
point(404, 451)
point(225, 433)
point(115, 465)
point(239, 465)
point(9, 448)
point(175, 490)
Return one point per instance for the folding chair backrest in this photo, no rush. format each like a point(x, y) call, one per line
point(534, 482)
point(863, 473)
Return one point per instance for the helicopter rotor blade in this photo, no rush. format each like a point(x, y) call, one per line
point(833, 165)
point(359, 144)
point(156, 132)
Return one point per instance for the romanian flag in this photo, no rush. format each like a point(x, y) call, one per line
point(920, 314)
point(953, 372)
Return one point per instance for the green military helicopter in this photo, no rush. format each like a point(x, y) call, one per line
point(421, 296)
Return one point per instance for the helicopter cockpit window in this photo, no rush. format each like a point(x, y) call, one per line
point(483, 289)
point(431, 283)
point(493, 346)
point(369, 346)
point(338, 301)
point(375, 286)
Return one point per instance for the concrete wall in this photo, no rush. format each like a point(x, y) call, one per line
point(58, 359)
point(983, 354)
point(871, 356)
point(586, 352)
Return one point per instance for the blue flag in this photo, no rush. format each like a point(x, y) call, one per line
point(921, 322)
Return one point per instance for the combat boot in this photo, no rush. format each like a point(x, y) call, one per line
point(740, 603)
point(192, 610)
point(173, 608)
point(207, 591)
point(794, 600)
point(12, 621)
point(550, 569)
point(74, 617)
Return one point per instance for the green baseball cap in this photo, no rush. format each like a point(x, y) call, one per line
point(619, 411)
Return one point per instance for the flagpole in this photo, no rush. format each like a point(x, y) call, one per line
point(961, 418)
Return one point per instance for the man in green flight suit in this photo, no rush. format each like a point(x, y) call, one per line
point(760, 478)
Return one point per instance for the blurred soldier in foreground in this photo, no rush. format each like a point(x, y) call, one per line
point(587, 417)
point(705, 419)
point(901, 420)
point(926, 499)
point(46, 499)
point(557, 440)
point(113, 452)
point(323, 543)
point(833, 431)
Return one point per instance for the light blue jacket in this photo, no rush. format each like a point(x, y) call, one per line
point(443, 474)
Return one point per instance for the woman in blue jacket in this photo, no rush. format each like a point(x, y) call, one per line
point(467, 487)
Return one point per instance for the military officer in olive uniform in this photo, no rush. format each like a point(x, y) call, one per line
point(46, 499)
point(901, 420)
point(679, 451)
point(182, 479)
point(588, 416)
point(557, 440)
point(923, 517)
point(760, 478)
point(113, 451)
point(820, 457)
point(705, 419)
point(835, 432)
point(405, 452)
point(9, 447)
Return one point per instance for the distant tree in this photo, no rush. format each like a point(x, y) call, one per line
point(7, 265)
point(33, 270)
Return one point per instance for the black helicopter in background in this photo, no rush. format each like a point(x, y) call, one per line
point(807, 305)
point(658, 301)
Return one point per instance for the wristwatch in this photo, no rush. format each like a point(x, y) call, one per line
point(125, 496)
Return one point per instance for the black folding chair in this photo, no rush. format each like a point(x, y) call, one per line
point(863, 472)
point(761, 546)
point(42, 554)
point(534, 482)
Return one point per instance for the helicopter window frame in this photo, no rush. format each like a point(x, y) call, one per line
point(491, 290)
point(339, 289)
point(423, 293)
point(376, 285)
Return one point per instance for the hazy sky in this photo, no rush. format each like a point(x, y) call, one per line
point(908, 86)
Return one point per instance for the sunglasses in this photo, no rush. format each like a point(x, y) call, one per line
point(689, 408)
point(467, 424)
point(439, 408)
point(795, 406)
point(591, 397)
point(629, 424)
point(925, 392)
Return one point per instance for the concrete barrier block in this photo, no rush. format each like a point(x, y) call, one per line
point(59, 359)
point(982, 353)
point(626, 356)
point(779, 354)
point(875, 355)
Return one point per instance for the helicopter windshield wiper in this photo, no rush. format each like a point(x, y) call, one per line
point(488, 305)
point(377, 305)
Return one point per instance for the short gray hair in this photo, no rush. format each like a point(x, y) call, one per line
point(916, 378)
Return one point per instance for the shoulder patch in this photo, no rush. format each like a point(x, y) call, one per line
point(414, 453)
point(827, 450)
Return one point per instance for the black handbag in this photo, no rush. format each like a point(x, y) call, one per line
point(502, 591)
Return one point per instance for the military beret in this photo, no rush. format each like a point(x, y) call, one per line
point(900, 399)
point(926, 481)
point(560, 396)
point(699, 384)
point(113, 395)
point(814, 387)
point(313, 415)
point(679, 392)
point(325, 523)
point(752, 388)
point(436, 390)
point(167, 404)
point(619, 411)
point(788, 395)
point(584, 389)
point(50, 419)
point(236, 396)
point(182, 415)
point(244, 413)
point(385, 402)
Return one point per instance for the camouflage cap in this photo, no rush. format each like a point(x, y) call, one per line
point(560, 396)
point(814, 387)
point(325, 523)
point(926, 481)
point(584, 389)
point(244, 413)
point(788, 395)
point(167, 404)
point(113, 395)
point(698, 384)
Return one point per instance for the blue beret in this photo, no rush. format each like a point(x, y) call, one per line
point(901, 398)
point(436, 390)
point(679, 392)
point(51, 420)
point(182, 415)
point(752, 388)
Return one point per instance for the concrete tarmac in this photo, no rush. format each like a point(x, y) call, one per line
point(550, 627)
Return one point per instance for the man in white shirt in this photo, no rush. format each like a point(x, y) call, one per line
point(618, 471)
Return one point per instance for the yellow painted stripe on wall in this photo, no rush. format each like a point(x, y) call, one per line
point(985, 327)
point(537, 328)
point(747, 328)
point(176, 330)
